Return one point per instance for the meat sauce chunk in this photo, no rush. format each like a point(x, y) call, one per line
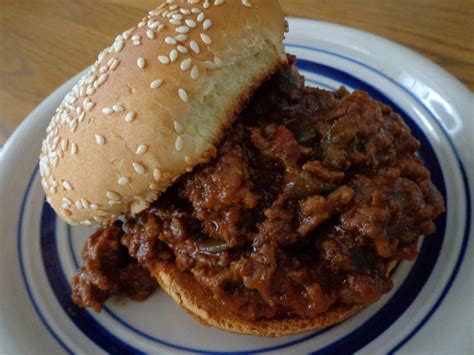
point(109, 270)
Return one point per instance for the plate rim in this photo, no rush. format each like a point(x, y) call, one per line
point(12, 140)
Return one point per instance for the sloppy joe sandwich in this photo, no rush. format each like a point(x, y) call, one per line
point(260, 205)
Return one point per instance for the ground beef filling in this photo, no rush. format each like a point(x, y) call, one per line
point(311, 200)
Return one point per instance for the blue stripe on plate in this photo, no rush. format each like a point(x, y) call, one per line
point(61, 287)
point(22, 268)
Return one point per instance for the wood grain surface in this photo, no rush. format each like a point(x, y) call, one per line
point(45, 42)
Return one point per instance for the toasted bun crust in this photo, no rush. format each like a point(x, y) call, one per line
point(199, 302)
point(155, 103)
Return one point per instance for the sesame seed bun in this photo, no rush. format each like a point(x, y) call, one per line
point(156, 103)
point(199, 303)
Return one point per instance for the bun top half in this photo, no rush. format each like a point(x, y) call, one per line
point(155, 104)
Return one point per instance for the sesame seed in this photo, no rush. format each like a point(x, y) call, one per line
point(139, 169)
point(118, 108)
point(52, 189)
point(246, 3)
point(79, 205)
point(181, 37)
point(200, 17)
point(156, 84)
point(185, 64)
point(163, 59)
point(205, 38)
point(182, 29)
point(90, 90)
point(195, 10)
point(190, 22)
point(67, 201)
point(123, 180)
point(119, 46)
point(141, 149)
point(64, 144)
point(107, 110)
point(206, 4)
point(102, 79)
point(126, 35)
point(73, 149)
point(103, 69)
point(177, 16)
point(54, 162)
point(85, 203)
point(173, 7)
point(194, 1)
point(183, 95)
point(170, 40)
point(153, 186)
point(182, 49)
point(207, 24)
point(173, 55)
point(67, 185)
point(195, 47)
point(129, 117)
point(178, 127)
point(195, 73)
point(154, 25)
point(141, 63)
point(141, 24)
point(179, 143)
point(94, 206)
point(217, 61)
point(157, 174)
point(150, 34)
point(188, 159)
point(99, 139)
point(184, 11)
point(88, 105)
point(114, 64)
point(218, 2)
point(111, 195)
point(137, 43)
point(175, 22)
point(160, 27)
point(73, 125)
point(136, 37)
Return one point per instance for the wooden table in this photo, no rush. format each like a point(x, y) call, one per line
point(44, 42)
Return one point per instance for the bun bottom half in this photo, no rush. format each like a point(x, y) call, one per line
point(201, 305)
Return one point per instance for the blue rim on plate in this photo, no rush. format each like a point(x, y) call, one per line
point(351, 342)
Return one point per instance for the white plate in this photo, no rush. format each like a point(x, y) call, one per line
point(428, 311)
